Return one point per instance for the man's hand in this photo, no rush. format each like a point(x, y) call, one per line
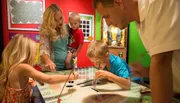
point(138, 70)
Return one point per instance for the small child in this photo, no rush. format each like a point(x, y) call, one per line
point(117, 68)
point(76, 38)
point(17, 67)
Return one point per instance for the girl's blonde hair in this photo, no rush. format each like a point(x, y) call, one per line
point(97, 49)
point(20, 49)
point(48, 27)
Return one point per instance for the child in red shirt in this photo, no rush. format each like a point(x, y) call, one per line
point(76, 38)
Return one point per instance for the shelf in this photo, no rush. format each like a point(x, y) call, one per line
point(118, 47)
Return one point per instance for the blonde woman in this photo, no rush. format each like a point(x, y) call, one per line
point(53, 39)
point(18, 59)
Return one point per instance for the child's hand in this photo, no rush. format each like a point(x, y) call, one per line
point(41, 83)
point(74, 76)
point(102, 74)
point(74, 54)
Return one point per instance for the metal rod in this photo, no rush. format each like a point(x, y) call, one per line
point(65, 84)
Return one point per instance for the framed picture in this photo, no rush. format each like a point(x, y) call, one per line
point(87, 26)
point(35, 37)
point(25, 14)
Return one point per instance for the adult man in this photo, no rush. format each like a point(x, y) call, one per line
point(158, 22)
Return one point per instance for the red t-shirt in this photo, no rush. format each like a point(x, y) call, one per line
point(76, 38)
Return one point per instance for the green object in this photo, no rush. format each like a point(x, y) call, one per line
point(60, 52)
point(136, 47)
point(120, 54)
point(147, 99)
point(98, 26)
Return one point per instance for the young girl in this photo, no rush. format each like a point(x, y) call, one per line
point(117, 69)
point(53, 39)
point(18, 58)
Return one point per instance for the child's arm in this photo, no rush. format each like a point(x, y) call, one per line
point(77, 51)
point(122, 82)
point(80, 41)
point(68, 60)
point(29, 71)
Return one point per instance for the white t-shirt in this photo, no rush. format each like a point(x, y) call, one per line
point(160, 31)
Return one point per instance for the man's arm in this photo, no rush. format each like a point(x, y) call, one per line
point(139, 70)
point(161, 78)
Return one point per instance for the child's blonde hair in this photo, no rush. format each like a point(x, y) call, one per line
point(48, 27)
point(20, 49)
point(74, 16)
point(97, 49)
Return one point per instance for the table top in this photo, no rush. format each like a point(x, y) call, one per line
point(105, 92)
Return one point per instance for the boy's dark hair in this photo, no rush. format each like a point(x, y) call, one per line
point(105, 3)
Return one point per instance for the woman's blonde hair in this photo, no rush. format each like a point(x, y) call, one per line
point(48, 27)
point(20, 49)
point(97, 49)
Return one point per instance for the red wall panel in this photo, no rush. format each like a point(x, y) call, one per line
point(80, 6)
